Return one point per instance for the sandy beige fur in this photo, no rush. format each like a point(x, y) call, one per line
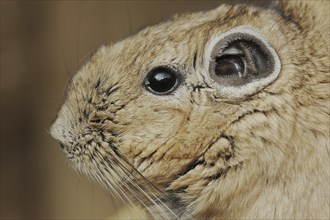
point(264, 155)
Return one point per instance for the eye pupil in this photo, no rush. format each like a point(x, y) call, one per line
point(161, 81)
point(229, 66)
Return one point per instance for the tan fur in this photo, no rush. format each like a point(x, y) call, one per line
point(263, 156)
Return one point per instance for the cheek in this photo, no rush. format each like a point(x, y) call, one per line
point(148, 131)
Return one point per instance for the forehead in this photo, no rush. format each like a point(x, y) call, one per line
point(178, 41)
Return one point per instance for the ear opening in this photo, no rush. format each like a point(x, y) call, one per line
point(241, 62)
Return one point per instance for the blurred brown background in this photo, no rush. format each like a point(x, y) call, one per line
point(42, 43)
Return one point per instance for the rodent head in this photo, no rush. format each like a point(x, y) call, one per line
point(189, 105)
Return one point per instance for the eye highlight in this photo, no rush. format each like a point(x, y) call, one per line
point(162, 80)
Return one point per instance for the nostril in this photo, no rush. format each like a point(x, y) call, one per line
point(62, 146)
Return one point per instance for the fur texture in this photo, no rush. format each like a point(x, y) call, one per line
point(197, 153)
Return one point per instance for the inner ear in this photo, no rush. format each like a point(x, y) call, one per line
point(241, 62)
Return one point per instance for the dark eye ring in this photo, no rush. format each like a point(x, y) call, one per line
point(162, 80)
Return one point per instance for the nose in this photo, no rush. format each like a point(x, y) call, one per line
point(60, 129)
point(57, 131)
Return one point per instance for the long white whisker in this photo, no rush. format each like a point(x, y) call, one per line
point(116, 175)
point(126, 175)
point(147, 195)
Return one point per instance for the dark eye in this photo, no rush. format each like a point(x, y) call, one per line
point(162, 80)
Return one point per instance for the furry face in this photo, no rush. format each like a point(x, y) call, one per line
point(218, 114)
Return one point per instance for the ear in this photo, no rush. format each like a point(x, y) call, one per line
point(307, 15)
point(241, 62)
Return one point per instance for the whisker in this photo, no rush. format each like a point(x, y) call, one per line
point(122, 195)
point(101, 176)
point(150, 195)
point(126, 175)
point(116, 175)
point(101, 180)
